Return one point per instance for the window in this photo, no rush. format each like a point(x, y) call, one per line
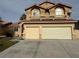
point(35, 12)
point(59, 11)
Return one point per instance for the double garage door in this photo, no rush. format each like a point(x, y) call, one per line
point(47, 32)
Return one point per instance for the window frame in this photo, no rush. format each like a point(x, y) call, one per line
point(34, 12)
point(59, 12)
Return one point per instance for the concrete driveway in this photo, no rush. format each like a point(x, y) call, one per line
point(43, 49)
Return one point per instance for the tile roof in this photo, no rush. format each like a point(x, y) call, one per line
point(51, 22)
point(4, 22)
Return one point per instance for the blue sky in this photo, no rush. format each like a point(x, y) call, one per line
point(11, 10)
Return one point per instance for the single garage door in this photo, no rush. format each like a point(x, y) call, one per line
point(31, 32)
point(49, 32)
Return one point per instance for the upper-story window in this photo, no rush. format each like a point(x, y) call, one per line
point(35, 12)
point(59, 12)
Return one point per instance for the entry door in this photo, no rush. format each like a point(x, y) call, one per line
point(32, 32)
point(56, 33)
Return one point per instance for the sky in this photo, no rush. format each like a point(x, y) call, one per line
point(11, 10)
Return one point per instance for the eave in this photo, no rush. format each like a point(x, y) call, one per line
point(34, 6)
point(51, 22)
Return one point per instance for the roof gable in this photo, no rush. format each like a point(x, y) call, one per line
point(47, 2)
point(61, 5)
point(34, 6)
point(46, 5)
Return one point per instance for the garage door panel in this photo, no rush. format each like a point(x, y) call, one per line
point(32, 33)
point(56, 33)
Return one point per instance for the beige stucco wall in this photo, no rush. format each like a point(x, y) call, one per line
point(76, 34)
point(28, 14)
point(47, 5)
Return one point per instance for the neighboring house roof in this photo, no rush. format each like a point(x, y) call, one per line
point(8, 24)
point(2, 22)
point(14, 25)
point(20, 21)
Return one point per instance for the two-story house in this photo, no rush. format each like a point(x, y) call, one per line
point(47, 21)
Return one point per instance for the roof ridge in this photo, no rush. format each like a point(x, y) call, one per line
point(64, 4)
point(46, 2)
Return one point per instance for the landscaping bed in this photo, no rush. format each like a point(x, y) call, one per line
point(6, 43)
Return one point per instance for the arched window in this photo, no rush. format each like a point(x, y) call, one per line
point(35, 12)
point(59, 12)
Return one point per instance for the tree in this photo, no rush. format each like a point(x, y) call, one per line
point(7, 31)
point(0, 18)
point(23, 17)
point(77, 25)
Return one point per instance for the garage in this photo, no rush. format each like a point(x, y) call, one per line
point(48, 32)
point(31, 32)
point(56, 32)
